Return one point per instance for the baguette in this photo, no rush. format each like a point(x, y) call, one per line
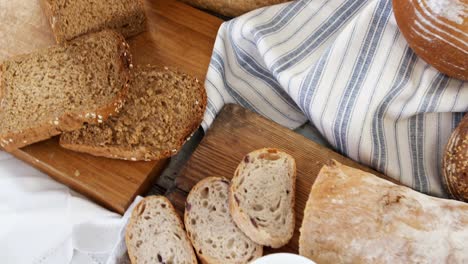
point(353, 216)
point(155, 234)
point(211, 229)
point(262, 197)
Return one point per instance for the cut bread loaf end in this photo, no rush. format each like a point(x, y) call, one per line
point(262, 196)
point(209, 225)
point(71, 19)
point(163, 109)
point(155, 234)
point(61, 88)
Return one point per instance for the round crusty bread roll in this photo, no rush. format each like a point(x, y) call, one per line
point(232, 8)
point(455, 163)
point(437, 30)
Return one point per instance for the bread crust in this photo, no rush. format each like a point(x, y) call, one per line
point(232, 8)
point(73, 121)
point(352, 216)
point(134, 216)
point(205, 259)
point(435, 36)
point(455, 162)
point(142, 153)
point(244, 222)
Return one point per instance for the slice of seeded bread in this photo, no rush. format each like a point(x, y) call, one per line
point(155, 234)
point(61, 88)
point(261, 198)
point(211, 229)
point(163, 109)
point(70, 19)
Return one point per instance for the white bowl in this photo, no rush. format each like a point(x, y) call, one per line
point(282, 258)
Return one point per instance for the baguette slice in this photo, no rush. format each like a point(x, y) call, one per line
point(61, 88)
point(163, 109)
point(70, 19)
point(262, 196)
point(155, 234)
point(210, 227)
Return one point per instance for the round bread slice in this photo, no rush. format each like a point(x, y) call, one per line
point(210, 227)
point(261, 198)
point(155, 234)
point(163, 109)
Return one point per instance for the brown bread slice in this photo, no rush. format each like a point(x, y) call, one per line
point(70, 19)
point(163, 108)
point(262, 196)
point(210, 227)
point(61, 88)
point(155, 234)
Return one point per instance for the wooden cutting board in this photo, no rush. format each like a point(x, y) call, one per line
point(178, 36)
point(236, 132)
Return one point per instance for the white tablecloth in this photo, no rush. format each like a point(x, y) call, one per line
point(42, 221)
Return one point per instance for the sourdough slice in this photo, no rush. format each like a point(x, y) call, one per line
point(70, 19)
point(353, 216)
point(210, 227)
point(163, 109)
point(262, 193)
point(61, 88)
point(155, 234)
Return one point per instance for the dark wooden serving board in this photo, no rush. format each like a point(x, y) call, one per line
point(236, 132)
point(178, 36)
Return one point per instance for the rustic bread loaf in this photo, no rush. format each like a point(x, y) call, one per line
point(163, 108)
point(455, 163)
point(437, 30)
point(232, 8)
point(355, 217)
point(262, 196)
point(70, 19)
point(209, 225)
point(155, 234)
point(61, 88)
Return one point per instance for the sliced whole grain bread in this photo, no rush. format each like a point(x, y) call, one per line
point(209, 225)
point(155, 234)
point(61, 88)
point(163, 109)
point(70, 19)
point(261, 198)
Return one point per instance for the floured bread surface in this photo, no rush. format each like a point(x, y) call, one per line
point(61, 88)
point(262, 197)
point(155, 234)
point(211, 229)
point(355, 217)
point(163, 109)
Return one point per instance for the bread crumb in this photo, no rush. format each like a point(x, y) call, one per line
point(77, 173)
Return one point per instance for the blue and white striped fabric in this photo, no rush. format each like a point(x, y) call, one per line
point(343, 65)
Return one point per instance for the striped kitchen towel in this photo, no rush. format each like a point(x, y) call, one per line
point(343, 65)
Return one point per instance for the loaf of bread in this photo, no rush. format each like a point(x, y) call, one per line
point(163, 109)
point(455, 163)
point(262, 197)
point(70, 19)
point(61, 88)
point(209, 225)
point(155, 234)
point(355, 217)
point(232, 8)
point(437, 30)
